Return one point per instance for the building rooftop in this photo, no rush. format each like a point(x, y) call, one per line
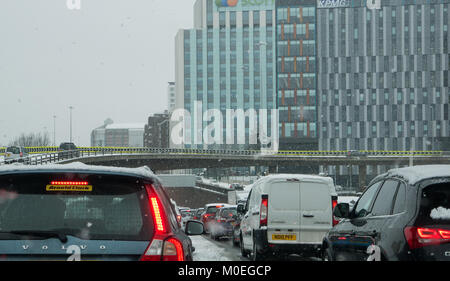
point(126, 126)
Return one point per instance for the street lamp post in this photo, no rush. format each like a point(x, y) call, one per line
point(432, 131)
point(70, 108)
point(54, 130)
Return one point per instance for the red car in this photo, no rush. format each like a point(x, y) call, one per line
point(209, 214)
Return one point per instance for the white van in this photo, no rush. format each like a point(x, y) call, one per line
point(287, 214)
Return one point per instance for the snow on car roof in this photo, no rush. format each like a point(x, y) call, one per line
point(296, 176)
point(416, 174)
point(77, 166)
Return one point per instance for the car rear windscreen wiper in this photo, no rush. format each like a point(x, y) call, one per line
point(39, 233)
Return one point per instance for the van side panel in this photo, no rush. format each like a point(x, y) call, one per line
point(284, 211)
point(316, 212)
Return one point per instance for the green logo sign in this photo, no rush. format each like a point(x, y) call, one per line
point(226, 3)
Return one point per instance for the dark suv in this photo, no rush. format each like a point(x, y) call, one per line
point(404, 214)
point(80, 212)
point(68, 150)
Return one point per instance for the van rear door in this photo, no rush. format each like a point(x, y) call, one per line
point(283, 211)
point(315, 211)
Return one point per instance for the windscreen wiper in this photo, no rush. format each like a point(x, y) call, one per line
point(39, 233)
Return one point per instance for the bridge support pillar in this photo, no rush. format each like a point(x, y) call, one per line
point(362, 177)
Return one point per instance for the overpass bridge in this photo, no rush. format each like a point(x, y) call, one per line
point(163, 159)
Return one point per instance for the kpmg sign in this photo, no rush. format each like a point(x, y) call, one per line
point(333, 3)
point(245, 5)
point(371, 4)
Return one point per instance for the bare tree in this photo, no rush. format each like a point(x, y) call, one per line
point(32, 139)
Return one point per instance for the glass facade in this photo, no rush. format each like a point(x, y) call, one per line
point(296, 74)
point(383, 77)
point(229, 64)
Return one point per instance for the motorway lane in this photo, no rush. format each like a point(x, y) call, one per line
point(233, 253)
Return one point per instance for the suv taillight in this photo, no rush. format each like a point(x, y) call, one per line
point(263, 211)
point(418, 237)
point(334, 202)
point(161, 248)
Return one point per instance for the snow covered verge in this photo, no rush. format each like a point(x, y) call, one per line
point(207, 251)
point(216, 184)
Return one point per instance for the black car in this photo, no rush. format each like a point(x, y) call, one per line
point(403, 215)
point(80, 212)
point(223, 223)
point(68, 150)
point(237, 226)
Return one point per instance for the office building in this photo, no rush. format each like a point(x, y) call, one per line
point(227, 62)
point(156, 133)
point(171, 96)
point(383, 76)
point(118, 135)
point(296, 74)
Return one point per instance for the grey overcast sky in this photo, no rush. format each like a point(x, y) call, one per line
point(110, 59)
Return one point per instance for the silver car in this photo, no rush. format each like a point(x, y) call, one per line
point(15, 152)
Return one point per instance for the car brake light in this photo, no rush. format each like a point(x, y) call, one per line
point(208, 215)
point(334, 202)
point(69, 183)
point(263, 212)
point(445, 234)
point(418, 237)
point(157, 216)
point(161, 249)
point(173, 250)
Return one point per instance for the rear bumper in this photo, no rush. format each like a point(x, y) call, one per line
point(264, 247)
point(221, 229)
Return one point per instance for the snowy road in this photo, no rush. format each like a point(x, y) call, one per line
point(207, 249)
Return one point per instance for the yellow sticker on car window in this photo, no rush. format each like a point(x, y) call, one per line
point(68, 187)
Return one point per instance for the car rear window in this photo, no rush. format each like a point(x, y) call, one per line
point(211, 210)
point(104, 208)
point(435, 205)
point(13, 150)
point(229, 213)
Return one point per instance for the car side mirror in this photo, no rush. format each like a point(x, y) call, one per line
point(194, 228)
point(342, 210)
point(240, 208)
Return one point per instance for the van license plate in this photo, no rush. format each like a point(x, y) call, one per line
point(288, 237)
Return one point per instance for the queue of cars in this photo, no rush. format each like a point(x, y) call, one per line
point(403, 214)
point(21, 154)
point(125, 214)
